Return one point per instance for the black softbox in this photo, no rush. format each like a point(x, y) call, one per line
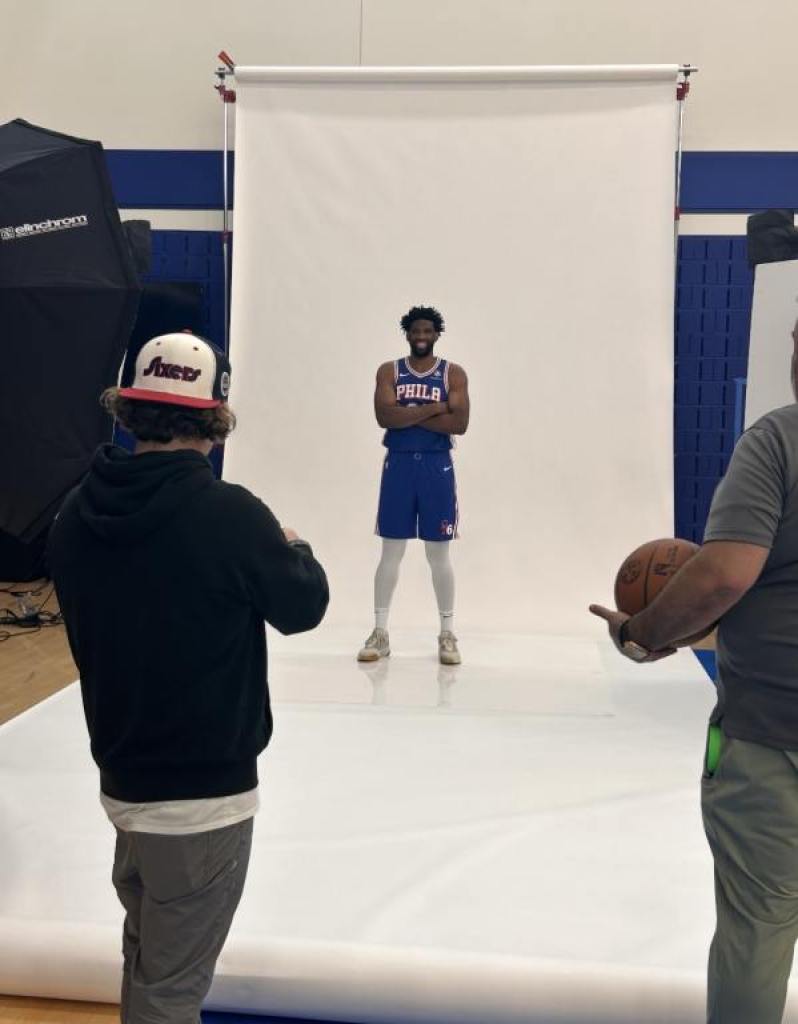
point(68, 297)
point(772, 237)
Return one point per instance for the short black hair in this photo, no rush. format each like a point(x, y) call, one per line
point(423, 313)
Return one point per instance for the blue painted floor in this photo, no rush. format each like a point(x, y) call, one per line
point(707, 659)
point(249, 1018)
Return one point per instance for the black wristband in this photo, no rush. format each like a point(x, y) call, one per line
point(622, 637)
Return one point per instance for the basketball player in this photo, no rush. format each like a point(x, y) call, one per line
point(421, 401)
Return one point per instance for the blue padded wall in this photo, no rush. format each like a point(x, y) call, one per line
point(713, 319)
point(169, 179)
point(194, 256)
point(712, 182)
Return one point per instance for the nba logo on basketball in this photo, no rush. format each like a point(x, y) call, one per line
point(447, 530)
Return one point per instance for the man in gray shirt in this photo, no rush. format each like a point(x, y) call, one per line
point(746, 576)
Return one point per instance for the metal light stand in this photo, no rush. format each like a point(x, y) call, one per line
point(227, 96)
point(682, 89)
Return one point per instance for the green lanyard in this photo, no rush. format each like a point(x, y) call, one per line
point(714, 741)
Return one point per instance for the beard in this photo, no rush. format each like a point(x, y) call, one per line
point(421, 348)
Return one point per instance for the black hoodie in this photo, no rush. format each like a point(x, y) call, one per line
point(165, 576)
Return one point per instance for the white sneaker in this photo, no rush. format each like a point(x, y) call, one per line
point(377, 646)
point(448, 654)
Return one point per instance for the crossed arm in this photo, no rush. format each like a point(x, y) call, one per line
point(440, 417)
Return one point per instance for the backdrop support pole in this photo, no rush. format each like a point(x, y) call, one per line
point(227, 96)
point(682, 89)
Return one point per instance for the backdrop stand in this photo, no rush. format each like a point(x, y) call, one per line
point(227, 96)
point(682, 89)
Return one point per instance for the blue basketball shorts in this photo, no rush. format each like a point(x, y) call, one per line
point(418, 496)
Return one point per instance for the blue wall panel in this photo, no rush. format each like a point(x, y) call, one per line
point(713, 318)
point(210, 1017)
point(723, 182)
point(194, 256)
point(168, 179)
point(712, 182)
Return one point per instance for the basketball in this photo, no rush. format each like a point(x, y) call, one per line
point(648, 570)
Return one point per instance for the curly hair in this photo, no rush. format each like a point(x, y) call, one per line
point(423, 313)
point(162, 423)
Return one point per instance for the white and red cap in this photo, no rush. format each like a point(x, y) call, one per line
point(177, 369)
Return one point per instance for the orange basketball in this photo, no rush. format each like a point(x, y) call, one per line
point(648, 570)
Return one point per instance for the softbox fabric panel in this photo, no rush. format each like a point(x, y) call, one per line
point(68, 296)
point(534, 208)
point(139, 238)
point(22, 562)
point(772, 237)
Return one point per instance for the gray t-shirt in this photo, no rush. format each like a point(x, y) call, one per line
point(757, 502)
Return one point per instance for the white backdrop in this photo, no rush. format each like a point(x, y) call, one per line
point(538, 857)
point(534, 208)
point(774, 312)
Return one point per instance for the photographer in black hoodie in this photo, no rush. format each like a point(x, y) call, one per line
point(165, 577)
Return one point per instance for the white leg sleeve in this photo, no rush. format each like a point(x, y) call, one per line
point(386, 578)
point(442, 579)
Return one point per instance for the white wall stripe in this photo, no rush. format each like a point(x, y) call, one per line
point(179, 220)
point(713, 223)
point(211, 220)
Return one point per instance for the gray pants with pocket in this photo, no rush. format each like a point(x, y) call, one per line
point(180, 894)
point(750, 808)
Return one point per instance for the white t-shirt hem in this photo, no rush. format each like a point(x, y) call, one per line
point(181, 817)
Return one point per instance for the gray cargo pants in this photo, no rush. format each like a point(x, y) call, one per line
point(180, 894)
point(750, 808)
